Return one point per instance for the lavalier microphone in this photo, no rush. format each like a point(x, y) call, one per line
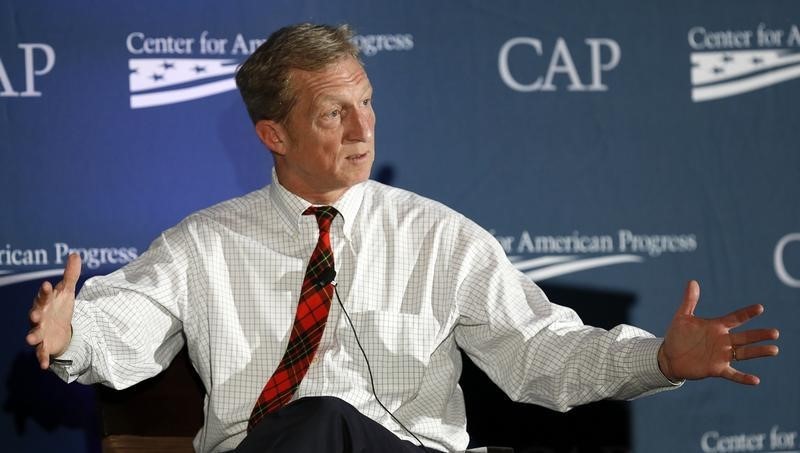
point(326, 277)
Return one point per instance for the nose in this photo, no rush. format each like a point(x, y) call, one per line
point(361, 125)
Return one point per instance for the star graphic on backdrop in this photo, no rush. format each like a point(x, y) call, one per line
point(727, 58)
point(717, 70)
point(758, 60)
point(168, 80)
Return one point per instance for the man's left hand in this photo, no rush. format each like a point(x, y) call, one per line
point(697, 348)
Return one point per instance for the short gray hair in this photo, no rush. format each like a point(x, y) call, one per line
point(264, 79)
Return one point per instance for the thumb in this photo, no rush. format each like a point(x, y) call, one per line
point(72, 271)
point(690, 298)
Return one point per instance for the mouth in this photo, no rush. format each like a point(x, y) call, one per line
point(357, 157)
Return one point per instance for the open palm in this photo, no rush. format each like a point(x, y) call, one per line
point(696, 348)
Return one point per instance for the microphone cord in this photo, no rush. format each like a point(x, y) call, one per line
point(369, 370)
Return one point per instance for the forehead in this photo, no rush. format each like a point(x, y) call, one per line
point(337, 79)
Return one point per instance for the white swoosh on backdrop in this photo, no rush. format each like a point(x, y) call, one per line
point(27, 276)
point(555, 266)
point(721, 90)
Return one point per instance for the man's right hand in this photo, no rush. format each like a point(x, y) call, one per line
point(51, 315)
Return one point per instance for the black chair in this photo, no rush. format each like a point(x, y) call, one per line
point(161, 414)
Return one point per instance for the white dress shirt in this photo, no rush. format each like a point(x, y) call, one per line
point(418, 280)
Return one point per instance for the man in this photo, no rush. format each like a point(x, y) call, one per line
point(290, 366)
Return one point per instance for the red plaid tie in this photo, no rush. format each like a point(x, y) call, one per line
point(309, 323)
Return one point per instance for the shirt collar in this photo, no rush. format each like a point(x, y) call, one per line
point(290, 206)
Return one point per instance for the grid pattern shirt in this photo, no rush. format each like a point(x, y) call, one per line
point(418, 280)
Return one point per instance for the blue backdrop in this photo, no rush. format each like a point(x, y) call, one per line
point(617, 146)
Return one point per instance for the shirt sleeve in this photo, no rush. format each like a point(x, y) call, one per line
point(537, 351)
point(127, 326)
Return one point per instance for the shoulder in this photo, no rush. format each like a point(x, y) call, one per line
point(403, 208)
point(385, 197)
point(401, 203)
point(234, 210)
point(240, 215)
point(256, 201)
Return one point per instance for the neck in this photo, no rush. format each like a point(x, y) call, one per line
point(328, 198)
point(307, 193)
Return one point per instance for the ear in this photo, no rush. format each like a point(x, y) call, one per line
point(272, 135)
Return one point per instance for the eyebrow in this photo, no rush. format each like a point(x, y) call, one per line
point(323, 98)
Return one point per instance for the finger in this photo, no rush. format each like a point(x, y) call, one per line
point(43, 356)
point(44, 292)
point(753, 336)
point(34, 337)
point(35, 315)
point(754, 352)
point(690, 297)
point(732, 374)
point(41, 292)
point(741, 316)
point(72, 271)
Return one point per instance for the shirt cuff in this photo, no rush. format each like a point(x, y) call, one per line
point(644, 356)
point(75, 360)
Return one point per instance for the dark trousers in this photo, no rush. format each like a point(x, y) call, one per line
point(322, 425)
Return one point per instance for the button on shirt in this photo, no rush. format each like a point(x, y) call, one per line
point(418, 280)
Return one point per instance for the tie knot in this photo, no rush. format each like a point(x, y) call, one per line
point(324, 214)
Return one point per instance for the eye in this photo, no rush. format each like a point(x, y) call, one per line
point(333, 114)
point(366, 102)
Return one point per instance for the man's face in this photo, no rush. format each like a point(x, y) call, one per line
point(327, 141)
